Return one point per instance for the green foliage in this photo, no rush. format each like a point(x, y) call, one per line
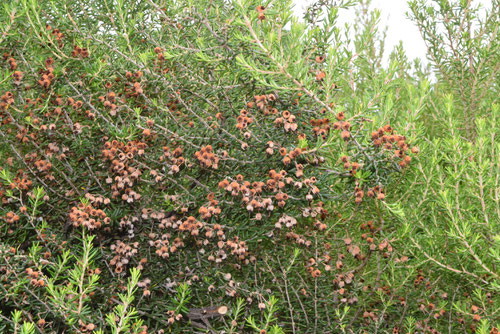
point(269, 318)
point(121, 320)
point(222, 166)
point(463, 46)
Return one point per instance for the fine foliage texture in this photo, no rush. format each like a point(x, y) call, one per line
point(224, 167)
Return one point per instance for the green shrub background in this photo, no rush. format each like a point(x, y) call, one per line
point(223, 167)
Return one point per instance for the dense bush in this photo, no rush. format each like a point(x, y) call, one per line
point(219, 166)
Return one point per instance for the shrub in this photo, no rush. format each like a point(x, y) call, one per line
point(209, 166)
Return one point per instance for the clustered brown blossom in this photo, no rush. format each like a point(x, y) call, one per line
point(109, 102)
point(44, 166)
point(57, 33)
point(144, 284)
point(321, 127)
point(207, 157)
point(243, 120)
point(23, 135)
point(386, 137)
point(87, 216)
point(191, 225)
point(164, 246)
point(262, 102)
point(6, 100)
point(319, 225)
point(212, 210)
point(206, 237)
point(343, 126)
point(286, 221)
point(11, 218)
point(86, 328)
point(123, 253)
point(342, 281)
point(18, 77)
point(287, 120)
point(298, 238)
point(137, 88)
point(174, 158)
point(10, 61)
point(134, 87)
point(79, 52)
point(173, 316)
point(47, 75)
point(292, 155)
point(315, 210)
point(261, 16)
point(122, 156)
point(160, 61)
point(35, 277)
point(320, 75)
point(127, 224)
point(238, 248)
point(21, 181)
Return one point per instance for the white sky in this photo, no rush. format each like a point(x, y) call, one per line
point(399, 26)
